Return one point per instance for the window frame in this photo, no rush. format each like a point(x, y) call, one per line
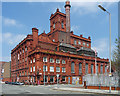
point(57, 60)
point(52, 61)
point(44, 60)
point(63, 62)
point(57, 68)
point(63, 70)
point(52, 67)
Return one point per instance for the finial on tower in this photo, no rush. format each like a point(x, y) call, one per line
point(67, 3)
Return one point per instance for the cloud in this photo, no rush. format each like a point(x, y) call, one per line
point(88, 7)
point(8, 21)
point(11, 22)
point(12, 39)
point(101, 46)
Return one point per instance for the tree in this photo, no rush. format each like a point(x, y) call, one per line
point(116, 56)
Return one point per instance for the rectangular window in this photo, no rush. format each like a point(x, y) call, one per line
point(80, 68)
point(87, 44)
point(51, 60)
point(20, 52)
point(63, 79)
point(18, 56)
point(63, 69)
point(33, 68)
point(79, 42)
point(57, 60)
point(44, 68)
point(34, 60)
point(51, 78)
point(62, 25)
point(54, 25)
point(51, 69)
point(86, 68)
point(63, 61)
point(75, 42)
point(101, 69)
point(57, 69)
point(44, 59)
point(25, 49)
point(72, 67)
point(83, 43)
point(26, 59)
point(105, 68)
point(91, 68)
point(31, 61)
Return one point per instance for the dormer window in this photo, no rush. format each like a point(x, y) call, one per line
point(62, 24)
point(54, 25)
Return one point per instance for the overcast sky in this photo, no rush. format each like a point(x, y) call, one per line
point(18, 19)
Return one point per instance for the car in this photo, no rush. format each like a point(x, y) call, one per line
point(12, 83)
point(6, 82)
point(20, 83)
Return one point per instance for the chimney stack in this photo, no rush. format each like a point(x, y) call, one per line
point(35, 37)
point(67, 10)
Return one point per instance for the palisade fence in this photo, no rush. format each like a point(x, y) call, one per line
point(101, 80)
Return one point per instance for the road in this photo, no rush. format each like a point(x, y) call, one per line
point(41, 89)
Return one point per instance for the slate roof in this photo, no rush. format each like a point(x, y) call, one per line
point(67, 45)
point(86, 49)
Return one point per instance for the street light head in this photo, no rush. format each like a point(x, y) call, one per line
point(101, 8)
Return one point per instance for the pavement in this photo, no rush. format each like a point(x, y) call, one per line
point(79, 88)
point(55, 89)
point(98, 91)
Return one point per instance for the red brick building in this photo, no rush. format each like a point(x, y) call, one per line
point(5, 71)
point(60, 51)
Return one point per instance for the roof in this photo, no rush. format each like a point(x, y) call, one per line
point(86, 49)
point(57, 12)
point(67, 45)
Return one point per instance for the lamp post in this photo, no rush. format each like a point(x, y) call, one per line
point(44, 73)
point(109, 39)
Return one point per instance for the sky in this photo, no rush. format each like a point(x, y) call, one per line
point(18, 19)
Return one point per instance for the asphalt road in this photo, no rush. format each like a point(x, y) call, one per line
point(41, 89)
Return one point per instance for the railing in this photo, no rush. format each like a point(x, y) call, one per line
point(101, 80)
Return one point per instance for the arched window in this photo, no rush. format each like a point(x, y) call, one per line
point(72, 67)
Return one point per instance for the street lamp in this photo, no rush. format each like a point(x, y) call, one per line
point(44, 69)
point(109, 38)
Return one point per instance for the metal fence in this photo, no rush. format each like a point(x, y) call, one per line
point(101, 80)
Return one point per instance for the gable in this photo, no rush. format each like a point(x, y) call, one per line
point(44, 38)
